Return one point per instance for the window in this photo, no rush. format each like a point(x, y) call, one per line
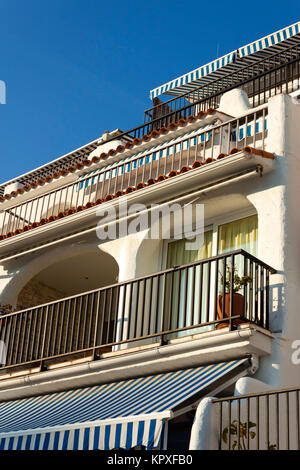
point(190, 291)
point(239, 234)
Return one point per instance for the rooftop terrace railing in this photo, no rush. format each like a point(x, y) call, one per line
point(278, 73)
point(260, 421)
point(176, 302)
point(274, 74)
point(190, 150)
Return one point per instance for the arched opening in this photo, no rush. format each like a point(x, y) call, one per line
point(69, 276)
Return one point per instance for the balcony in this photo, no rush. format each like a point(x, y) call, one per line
point(169, 156)
point(260, 421)
point(176, 304)
point(269, 76)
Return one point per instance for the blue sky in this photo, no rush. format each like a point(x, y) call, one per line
point(75, 68)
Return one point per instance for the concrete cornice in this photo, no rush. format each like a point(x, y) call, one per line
point(155, 193)
point(193, 351)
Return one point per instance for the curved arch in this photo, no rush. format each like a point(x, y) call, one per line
point(56, 256)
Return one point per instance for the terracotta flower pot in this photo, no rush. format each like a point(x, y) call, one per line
point(238, 309)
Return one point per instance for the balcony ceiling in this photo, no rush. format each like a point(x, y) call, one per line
point(80, 273)
point(235, 60)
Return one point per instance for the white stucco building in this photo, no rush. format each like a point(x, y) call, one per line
point(137, 341)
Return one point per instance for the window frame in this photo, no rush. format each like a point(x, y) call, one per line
point(214, 227)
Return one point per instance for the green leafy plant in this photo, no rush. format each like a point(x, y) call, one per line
point(243, 431)
point(238, 281)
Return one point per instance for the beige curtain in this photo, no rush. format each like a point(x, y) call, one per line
point(178, 255)
point(241, 233)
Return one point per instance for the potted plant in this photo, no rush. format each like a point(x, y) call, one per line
point(238, 299)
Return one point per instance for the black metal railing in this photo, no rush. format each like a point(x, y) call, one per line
point(269, 76)
point(129, 175)
point(180, 301)
point(260, 421)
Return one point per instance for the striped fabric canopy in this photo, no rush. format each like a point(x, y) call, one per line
point(122, 414)
point(196, 74)
point(271, 40)
point(231, 62)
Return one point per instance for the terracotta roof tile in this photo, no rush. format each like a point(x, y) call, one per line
point(136, 141)
point(130, 189)
point(261, 153)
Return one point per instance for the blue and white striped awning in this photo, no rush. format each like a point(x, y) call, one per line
point(116, 415)
point(195, 75)
point(271, 40)
point(231, 62)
